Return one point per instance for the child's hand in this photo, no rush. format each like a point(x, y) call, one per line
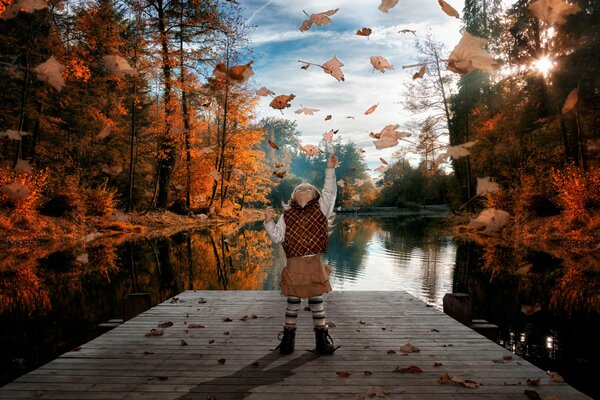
point(332, 162)
point(269, 214)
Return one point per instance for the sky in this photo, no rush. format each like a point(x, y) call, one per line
point(278, 44)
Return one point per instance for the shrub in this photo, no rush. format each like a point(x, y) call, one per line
point(577, 191)
point(35, 182)
point(101, 201)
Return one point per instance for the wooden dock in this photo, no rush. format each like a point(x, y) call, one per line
point(219, 347)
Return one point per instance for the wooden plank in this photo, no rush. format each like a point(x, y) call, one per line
point(125, 364)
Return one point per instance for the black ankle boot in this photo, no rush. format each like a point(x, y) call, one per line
point(324, 341)
point(288, 339)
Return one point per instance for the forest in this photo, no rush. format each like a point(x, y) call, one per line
point(126, 106)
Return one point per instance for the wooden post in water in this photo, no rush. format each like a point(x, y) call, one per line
point(458, 306)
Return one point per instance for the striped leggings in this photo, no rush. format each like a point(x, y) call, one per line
point(316, 306)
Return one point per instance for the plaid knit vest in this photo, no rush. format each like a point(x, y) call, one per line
point(306, 230)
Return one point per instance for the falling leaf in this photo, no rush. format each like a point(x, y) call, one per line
point(16, 191)
point(533, 382)
point(282, 101)
point(457, 151)
point(469, 55)
point(391, 351)
point(389, 137)
point(22, 166)
point(280, 175)
point(371, 109)
point(490, 218)
point(215, 175)
point(421, 72)
point(51, 71)
point(383, 161)
point(310, 150)
point(343, 374)
point(166, 324)
point(359, 182)
point(183, 342)
point(381, 169)
point(221, 361)
point(305, 66)
point(571, 101)
point(104, 132)
point(524, 270)
point(380, 63)
point(83, 258)
point(364, 32)
point(409, 348)
point(279, 165)
point(319, 19)
point(226, 319)
point(28, 6)
point(235, 74)
point(413, 369)
point(328, 117)
point(531, 309)
point(555, 377)
point(341, 183)
point(113, 170)
point(263, 91)
point(356, 197)
point(553, 11)
point(14, 135)
point(155, 332)
point(448, 9)
point(408, 31)
point(207, 150)
point(273, 144)
point(349, 117)
point(119, 66)
point(386, 5)
point(333, 67)
point(485, 185)
point(532, 394)
point(307, 111)
point(328, 137)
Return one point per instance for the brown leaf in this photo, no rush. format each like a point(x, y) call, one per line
point(165, 324)
point(310, 150)
point(196, 326)
point(333, 67)
point(378, 393)
point(306, 111)
point(386, 5)
point(183, 342)
point(236, 73)
point(226, 333)
point(448, 9)
point(421, 72)
point(318, 19)
point(211, 341)
point(221, 361)
point(279, 165)
point(305, 66)
point(155, 332)
point(571, 101)
point(282, 101)
point(380, 63)
point(371, 109)
point(327, 118)
point(507, 357)
point(162, 377)
point(532, 394)
point(263, 91)
point(409, 348)
point(364, 32)
point(280, 175)
point(471, 384)
point(533, 382)
point(343, 374)
point(469, 55)
point(555, 377)
point(368, 373)
point(383, 161)
point(273, 145)
point(255, 364)
point(147, 353)
point(530, 309)
point(413, 369)
point(437, 364)
point(76, 349)
point(253, 316)
point(391, 351)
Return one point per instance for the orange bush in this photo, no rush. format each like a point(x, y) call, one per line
point(34, 181)
point(101, 201)
point(578, 192)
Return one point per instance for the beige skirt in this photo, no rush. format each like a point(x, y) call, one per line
point(305, 277)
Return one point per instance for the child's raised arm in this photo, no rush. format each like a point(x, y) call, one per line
point(329, 192)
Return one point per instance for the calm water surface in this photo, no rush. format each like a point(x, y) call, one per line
point(52, 303)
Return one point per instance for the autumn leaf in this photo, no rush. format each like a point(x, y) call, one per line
point(235, 74)
point(414, 32)
point(490, 218)
point(273, 144)
point(113, 170)
point(221, 361)
point(388, 137)
point(421, 72)
point(409, 348)
point(319, 19)
point(368, 373)
point(119, 66)
point(469, 55)
point(413, 369)
point(51, 71)
point(533, 382)
point(22, 166)
point(196, 326)
point(166, 324)
point(448, 9)
point(437, 364)
point(379, 393)
point(333, 67)
point(356, 197)
point(327, 117)
point(14, 135)
point(183, 342)
point(306, 111)
point(104, 132)
point(343, 374)
point(328, 137)
point(380, 63)
point(277, 165)
point(485, 185)
point(460, 150)
point(555, 377)
point(226, 319)
point(215, 175)
point(341, 183)
point(381, 169)
point(305, 66)
point(371, 109)
point(280, 175)
point(359, 182)
point(155, 332)
point(553, 11)
point(364, 32)
point(386, 5)
point(532, 394)
point(282, 101)
point(263, 91)
point(383, 161)
point(571, 101)
point(310, 150)
point(391, 351)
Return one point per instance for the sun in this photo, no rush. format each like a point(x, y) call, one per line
point(543, 65)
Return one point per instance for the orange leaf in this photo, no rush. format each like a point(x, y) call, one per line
point(391, 351)
point(343, 374)
point(318, 19)
point(273, 145)
point(236, 73)
point(364, 32)
point(571, 101)
point(282, 101)
point(386, 5)
point(280, 175)
point(421, 72)
point(371, 109)
point(328, 117)
point(333, 67)
point(380, 63)
point(413, 369)
point(383, 161)
point(448, 9)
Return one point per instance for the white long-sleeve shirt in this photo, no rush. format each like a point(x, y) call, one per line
point(326, 202)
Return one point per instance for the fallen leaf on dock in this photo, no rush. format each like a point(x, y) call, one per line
point(174, 299)
point(147, 353)
point(378, 393)
point(162, 378)
point(183, 342)
point(201, 301)
point(555, 377)
point(533, 382)
point(437, 364)
point(532, 394)
point(507, 358)
point(76, 349)
point(409, 348)
point(155, 332)
point(226, 333)
point(196, 326)
point(368, 373)
point(343, 374)
point(255, 364)
point(391, 351)
point(413, 369)
point(226, 319)
point(211, 341)
point(458, 381)
point(221, 361)
point(434, 330)
point(165, 324)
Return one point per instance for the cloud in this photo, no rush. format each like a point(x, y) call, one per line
point(278, 45)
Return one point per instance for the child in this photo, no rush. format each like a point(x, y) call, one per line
point(303, 235)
